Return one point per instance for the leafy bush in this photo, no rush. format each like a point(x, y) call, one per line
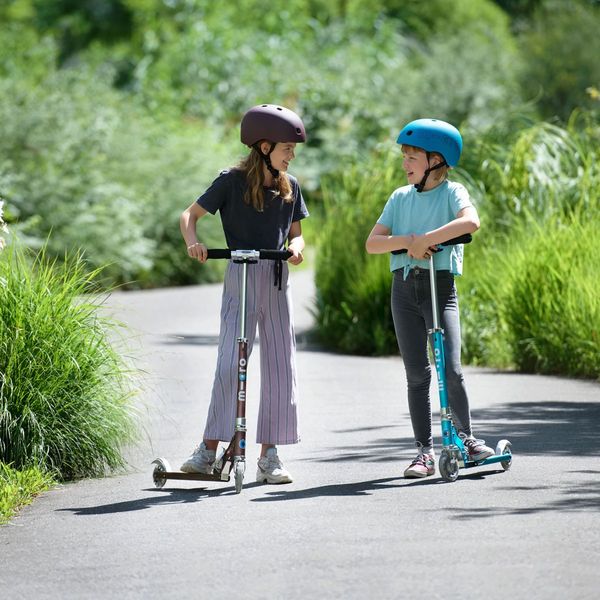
point(544, 170)
point(65, 395)
point(359, 72)
point(558, 80)
point(83, 168)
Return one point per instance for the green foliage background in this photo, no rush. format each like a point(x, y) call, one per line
point(116, 114)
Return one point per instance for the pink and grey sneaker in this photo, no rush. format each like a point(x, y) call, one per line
point(422, 466)
point(476, 449)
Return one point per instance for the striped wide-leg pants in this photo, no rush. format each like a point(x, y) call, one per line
point(271, 310)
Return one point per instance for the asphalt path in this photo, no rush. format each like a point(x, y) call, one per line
point(349, 526)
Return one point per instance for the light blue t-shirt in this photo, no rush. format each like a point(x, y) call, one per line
point(408, 211)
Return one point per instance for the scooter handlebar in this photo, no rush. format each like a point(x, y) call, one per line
point(226, 253)
point(218, 253)
point(461, 239)
point(275, 254)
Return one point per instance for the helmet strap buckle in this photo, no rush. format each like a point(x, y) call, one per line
point(423, 181)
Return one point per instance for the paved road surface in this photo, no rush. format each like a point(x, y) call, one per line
point(349, 526)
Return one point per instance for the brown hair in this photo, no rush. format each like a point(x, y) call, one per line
point(252, 167)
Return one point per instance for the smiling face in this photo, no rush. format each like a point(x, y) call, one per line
point(282, 154)
point(415, 163)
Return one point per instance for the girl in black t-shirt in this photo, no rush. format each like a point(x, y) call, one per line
point(261, 207)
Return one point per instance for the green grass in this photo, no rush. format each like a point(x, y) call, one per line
point(353, 312)
point(18, 488)
point(532, 300)
point(65, 392)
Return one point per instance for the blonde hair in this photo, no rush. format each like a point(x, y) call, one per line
point(252, 167)
point(439, 174)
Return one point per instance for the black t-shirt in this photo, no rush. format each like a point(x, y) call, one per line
point(245, 228)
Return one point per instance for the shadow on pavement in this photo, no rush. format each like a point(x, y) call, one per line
point(306, 341)
point(553, 427)
point(584, 496)
point(165, 496)
point(180, 339)
point(360, 488)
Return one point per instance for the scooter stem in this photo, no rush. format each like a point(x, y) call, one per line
point(437, 343)
point(243, 301)
point(433, 284)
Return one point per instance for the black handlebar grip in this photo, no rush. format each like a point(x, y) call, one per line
point(218, 253)
point(467, 238)
point(275, 254)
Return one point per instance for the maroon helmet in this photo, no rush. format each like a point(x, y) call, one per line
point(273, 123)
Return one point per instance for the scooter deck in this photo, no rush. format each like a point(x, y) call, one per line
point(488, 461)
point(162, 472)
point(189, 476)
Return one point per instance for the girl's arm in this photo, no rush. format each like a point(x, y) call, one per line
point(467, 221)
point(187, 224)
point(380, 241)
point(295, 243)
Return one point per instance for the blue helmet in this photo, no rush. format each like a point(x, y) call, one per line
point(433, 135)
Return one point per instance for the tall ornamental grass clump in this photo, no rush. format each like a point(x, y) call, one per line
point(3, 227)
point(352, 312)
point(65, 397)
point(533, 300)
point(545, 172)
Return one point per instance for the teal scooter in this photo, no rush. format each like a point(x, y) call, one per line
point(454, 455)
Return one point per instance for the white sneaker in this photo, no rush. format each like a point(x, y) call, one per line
point(200, 460)
point(271, 469)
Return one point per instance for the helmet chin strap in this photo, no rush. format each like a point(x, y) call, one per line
point(267, 158)
point(423, 181)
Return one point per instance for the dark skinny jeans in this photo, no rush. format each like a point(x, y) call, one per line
point(411, 311)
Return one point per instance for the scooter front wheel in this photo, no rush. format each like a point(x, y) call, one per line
point(448, 466)
point(161, 466)
point(238, 470)
point(503, 448)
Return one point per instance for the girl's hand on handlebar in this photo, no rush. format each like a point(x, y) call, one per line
point(296, 258)
point(420, 249)
point(198, 251)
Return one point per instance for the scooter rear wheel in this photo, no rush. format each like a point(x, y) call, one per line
point(502, 448)
point(162, 466)
point(448, 466)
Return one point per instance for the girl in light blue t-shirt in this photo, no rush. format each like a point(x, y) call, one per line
point(418, 217)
